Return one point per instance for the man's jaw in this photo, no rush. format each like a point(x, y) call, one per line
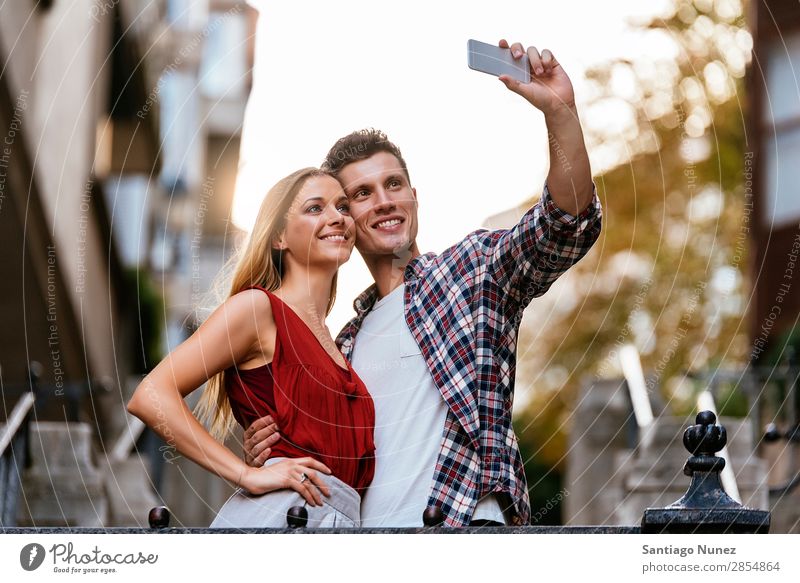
point(394, 252)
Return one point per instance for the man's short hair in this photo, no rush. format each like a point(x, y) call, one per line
point(360, 145)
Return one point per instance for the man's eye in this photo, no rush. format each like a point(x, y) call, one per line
point(360, 193)
point(394, 183)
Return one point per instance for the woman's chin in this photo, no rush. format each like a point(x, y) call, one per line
point(335, 258)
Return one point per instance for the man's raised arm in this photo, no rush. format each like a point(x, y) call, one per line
point(559, 229)
point(569, 179)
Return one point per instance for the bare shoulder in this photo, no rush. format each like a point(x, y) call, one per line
point(248, 317)
point(250, 308)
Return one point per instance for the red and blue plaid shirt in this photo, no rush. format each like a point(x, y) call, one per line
point(464, 309)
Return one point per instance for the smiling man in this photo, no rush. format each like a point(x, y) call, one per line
point(435, 337)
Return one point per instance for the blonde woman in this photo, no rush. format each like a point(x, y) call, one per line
point(267, 351)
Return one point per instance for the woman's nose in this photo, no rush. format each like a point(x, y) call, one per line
point(335, 216)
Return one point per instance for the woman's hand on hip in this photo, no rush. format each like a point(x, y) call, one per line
point(289, 473)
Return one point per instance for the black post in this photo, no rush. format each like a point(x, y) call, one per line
point(705, 508)
point(773, 433)
point(17, 457)
point(792, 396)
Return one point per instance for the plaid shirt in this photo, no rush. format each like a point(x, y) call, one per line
point(464, 308)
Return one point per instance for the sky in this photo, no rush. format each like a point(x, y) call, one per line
point(473, 148)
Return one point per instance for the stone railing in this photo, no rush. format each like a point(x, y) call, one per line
point(704, 509)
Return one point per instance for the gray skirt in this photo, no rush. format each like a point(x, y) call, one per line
point(342, 509)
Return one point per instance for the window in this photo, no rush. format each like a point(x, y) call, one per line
point(781, 138)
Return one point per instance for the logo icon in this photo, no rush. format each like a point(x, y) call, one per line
point(31, 556)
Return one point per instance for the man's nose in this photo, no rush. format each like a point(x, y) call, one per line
point(383, 201)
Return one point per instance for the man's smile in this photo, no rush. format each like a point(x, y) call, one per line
point(390, 224)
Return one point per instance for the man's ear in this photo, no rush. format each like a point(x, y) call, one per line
point(414, 192)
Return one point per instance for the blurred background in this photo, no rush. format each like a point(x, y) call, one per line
point(139, 137)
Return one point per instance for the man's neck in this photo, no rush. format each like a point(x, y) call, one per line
point(388, 271)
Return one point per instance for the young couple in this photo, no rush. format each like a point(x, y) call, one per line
point(409, 411)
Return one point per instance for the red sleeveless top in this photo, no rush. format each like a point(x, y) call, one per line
point(322, 410)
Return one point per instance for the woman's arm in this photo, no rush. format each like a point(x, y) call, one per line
point(236, 331)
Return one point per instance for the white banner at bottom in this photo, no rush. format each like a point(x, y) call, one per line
point(377, 557)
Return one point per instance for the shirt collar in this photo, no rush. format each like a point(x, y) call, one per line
point(366, 299)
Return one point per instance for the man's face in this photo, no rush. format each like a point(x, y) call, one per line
point(382, 203)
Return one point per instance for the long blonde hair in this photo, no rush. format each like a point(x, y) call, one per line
point(255, 263)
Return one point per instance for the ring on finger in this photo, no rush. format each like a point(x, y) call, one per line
point(303, 477)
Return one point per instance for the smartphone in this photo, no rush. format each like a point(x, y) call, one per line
point(496, 61)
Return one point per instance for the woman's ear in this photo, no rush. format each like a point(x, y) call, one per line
point(278, 243)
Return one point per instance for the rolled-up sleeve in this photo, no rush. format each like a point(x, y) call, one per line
point(526, 259)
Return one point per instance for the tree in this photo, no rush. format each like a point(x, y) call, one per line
point(668, 273)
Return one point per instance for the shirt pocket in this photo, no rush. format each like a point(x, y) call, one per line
point(408, 347)
point(411, 359)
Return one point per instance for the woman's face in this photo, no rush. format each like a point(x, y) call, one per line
point(319, 229)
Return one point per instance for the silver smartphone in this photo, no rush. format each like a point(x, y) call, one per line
point(496, 61)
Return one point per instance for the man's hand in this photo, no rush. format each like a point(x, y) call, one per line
point(259, 438)
point(550, 90)
point(569, 179)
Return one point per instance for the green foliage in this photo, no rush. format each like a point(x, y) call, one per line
point(148, 325)
point(787, 345)
point(731, 401)
point(544, 487)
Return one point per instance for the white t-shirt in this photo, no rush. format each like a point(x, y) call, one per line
point(409, 419)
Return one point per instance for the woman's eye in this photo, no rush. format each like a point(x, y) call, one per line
point(344, 208)
point(313, 209)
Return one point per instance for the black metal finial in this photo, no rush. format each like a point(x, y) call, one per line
point(297, 517)
point(159, 517)
point(705, 438)
point(705, 508)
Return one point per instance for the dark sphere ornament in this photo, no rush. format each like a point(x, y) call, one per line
point(432, 516)
point(705, 418)
point(297, 517)
point(159, 517)
point(772, 433)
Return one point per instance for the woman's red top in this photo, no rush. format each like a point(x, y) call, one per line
point(322, 410)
